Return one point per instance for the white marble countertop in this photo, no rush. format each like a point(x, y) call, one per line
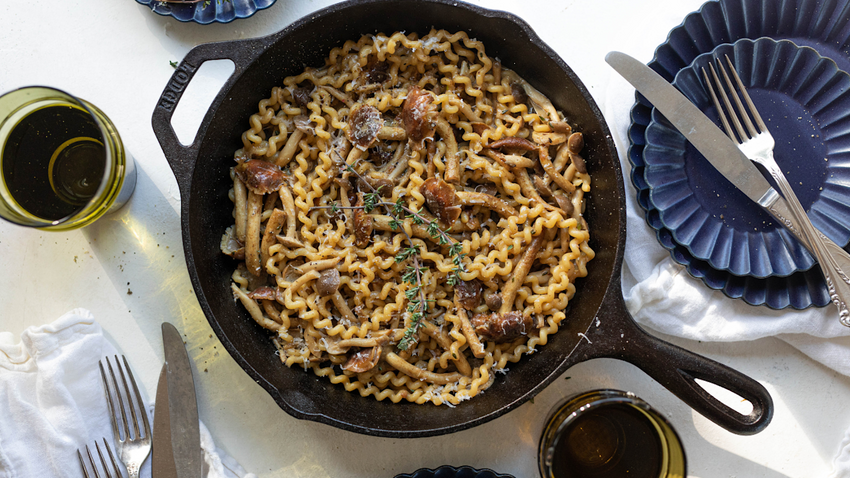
point(129, 269)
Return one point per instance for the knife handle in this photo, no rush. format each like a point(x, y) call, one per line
point(833, 259)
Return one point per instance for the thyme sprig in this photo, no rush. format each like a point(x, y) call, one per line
point(417, 303)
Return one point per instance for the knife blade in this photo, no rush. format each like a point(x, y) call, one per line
point(162, 456)
point(716, 147)
point(176, 436)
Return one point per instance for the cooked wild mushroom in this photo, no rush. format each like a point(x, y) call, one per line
point(260, 177)
point(230, 245)
point(328, 282)
point(362, 224)
point(498, 327)
point(289, 240)
point(468, 293)
point(441, 200)
point(574, 145)
point(363, 361)
point(469, 198)
point(364, 124)
point(518, 276)
point(418, 115)
point(513, 142)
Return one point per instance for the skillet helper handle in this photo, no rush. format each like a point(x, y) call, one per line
point(178, 155)
point(678, 369)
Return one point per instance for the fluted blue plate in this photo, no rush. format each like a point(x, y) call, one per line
point(821, 24)
point(205, 12)
point(446, 471)
point(805, 101)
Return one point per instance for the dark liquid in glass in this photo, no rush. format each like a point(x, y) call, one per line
point(53, 161)
point(613, 441)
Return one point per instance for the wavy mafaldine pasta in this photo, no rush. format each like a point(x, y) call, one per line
point(408, 218)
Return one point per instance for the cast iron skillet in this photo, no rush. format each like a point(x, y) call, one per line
point(598, 323)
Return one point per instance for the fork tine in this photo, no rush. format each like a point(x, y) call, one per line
point(112, 417)
point(732, 114)
point(129, 397)
point(120, 400)
point(741, 111)
point(92, 462)
point(83, 463)
point(103, 462)
point(140, 408)
point(726, 126)
point(753, 110)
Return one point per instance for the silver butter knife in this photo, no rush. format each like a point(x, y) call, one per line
point(176, 430)
point(725, 156)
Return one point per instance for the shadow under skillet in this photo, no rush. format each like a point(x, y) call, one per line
point(140, 249)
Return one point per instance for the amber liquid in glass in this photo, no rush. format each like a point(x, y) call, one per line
point(612, 441)
point(54, 160)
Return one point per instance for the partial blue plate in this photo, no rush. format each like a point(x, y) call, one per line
point(452, 472)
point(820, 24)
point(805, 101)
point(205, 12)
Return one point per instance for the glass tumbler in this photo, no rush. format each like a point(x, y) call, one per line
point(609, 434)
point(62, 162)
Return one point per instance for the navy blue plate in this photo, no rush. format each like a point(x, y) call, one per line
point(204, 12)
point(805, 101)
point(446, 471)
point(820, 24)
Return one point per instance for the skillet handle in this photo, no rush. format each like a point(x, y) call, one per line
point(179, 156)
point(618, 336)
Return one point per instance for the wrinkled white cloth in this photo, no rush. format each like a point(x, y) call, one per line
point(661, 295)
point(52, 401)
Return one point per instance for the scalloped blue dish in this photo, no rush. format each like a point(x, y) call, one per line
point(819, 24)
point(805, 101)
point(446, 471)
point(205, 12)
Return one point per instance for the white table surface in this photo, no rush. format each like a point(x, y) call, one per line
point(129, 269)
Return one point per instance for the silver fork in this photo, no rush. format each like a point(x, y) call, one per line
point(757, 144)
point(133, 441)
point(89, 463)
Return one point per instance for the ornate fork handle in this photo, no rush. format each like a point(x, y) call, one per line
point(832, 258)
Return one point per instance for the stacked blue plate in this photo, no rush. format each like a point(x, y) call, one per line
point(803, 94)
point(446, 471)
point(208, 11)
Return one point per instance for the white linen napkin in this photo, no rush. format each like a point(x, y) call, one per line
point(52, 401)
point(661, 295)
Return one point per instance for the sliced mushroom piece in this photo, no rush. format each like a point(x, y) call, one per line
point(441, 200)
point(418, 115)
point(542, 106)
point(362, 224)
point(286, 154)
point(363, 360)
point(510, 160)
point(230, 245)
point(411, 370)
point(452, 172)
point(253, 308)
point(513, 142)
point(493, 300)
point(559, 198)
point(289, 240)
point(468, 293)
point(252, 233)
point(574, 145)
point(263, 293)
point(548, 139)
point(273, 227)
point(328, 282)
point(260, 177)
point(561, 127)
point(502, 327)
point(469, 198)
point(543, 155)
point(364, 124)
